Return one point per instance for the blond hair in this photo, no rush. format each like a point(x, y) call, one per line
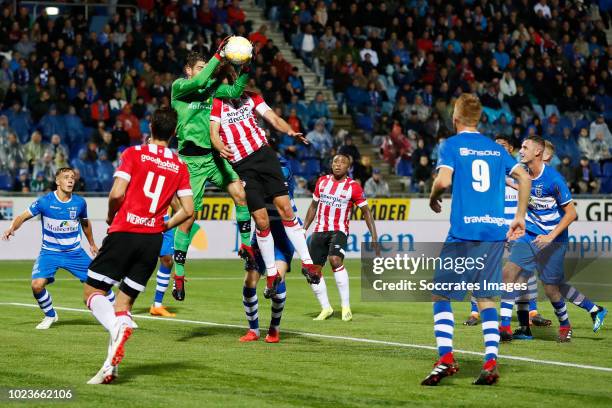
point(468, 109)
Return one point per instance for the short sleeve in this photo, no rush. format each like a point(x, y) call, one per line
point(125, 169)
point(36, 207)
point(83, 213)
point(316, 195)
point(261, 107)
point(446, 156)
point(358, 196)
point(184, 188)
point(215, 112)
point(509, 162)
point(563, 196)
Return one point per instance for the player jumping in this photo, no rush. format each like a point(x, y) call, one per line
point(332, 202)
point(145, 183)
point(476, 167)
point(63, 216)
point(192, 98)
point(283, 254)
point(237, 136)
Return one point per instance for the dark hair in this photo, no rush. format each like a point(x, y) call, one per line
point(539, 140)
point(63, 170)
point(192, 58)
point(348, 157)
point(163, 124)
point(505, 138)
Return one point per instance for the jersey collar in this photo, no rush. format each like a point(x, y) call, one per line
point(58, 199)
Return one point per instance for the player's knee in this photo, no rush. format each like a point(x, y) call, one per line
point(285, 211)
point(251, 278)
point(335, 261)
point(261, 219)
point(38, 285)
point(553, 293)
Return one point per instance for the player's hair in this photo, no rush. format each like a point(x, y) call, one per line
point(505, 138)
point(63, 170)
point(348, 157)
point(539, 140)
point(468, 109)
point(548, 145)
point(163, 124)
point(192, 58)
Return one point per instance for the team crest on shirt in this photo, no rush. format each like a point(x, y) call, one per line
point(73, 214)
point(538, 190)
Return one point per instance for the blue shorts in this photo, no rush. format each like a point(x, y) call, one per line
point(167, 243)
point(283, 249)
point(48, 262)
point(548, 262)
point(484, 269)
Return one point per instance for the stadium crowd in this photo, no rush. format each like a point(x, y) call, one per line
point(539, 67)
point(78, 91)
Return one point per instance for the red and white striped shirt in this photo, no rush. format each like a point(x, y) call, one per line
point(238, 124)
point(336, 199)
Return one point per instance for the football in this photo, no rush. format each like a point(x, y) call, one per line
point(238, 50)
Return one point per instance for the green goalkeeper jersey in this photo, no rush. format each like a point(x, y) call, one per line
point(192, 99)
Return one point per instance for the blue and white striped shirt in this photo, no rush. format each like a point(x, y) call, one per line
point(61, 221)
point(549, 193)
point(510, 203)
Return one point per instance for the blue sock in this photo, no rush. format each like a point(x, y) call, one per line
point(578, 298)
point(444, 323)
point(110, 295)
point(561, 312)
point(474, 309)
point(45, 302)
point(490, 332)
point(163, 280)
point(278, 305)
point(249, 300)
point(533, 305)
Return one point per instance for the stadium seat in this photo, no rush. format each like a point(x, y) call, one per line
point(6, 181)
point(404, 168)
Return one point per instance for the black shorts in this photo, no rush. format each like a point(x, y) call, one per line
point(262, 177)
point(328, 243)
point(126, 257)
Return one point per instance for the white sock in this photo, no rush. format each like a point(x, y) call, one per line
point(342, 281)
point(320, 292)
point(265, 241)
point(102, 310)
point(296, 234)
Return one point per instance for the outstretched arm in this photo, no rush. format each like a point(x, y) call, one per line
point(16, 224)
point(233, 91)
point(183, 87)
point(281, 125)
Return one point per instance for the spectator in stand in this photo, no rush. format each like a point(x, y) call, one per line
point(38, 184)
point(585, 144)
point(585, 180)
point(12, 155)
point(364, 171)
point(376, 186)
point(568, 172)
point(46, 166)
point(297, 83)
point(601, 148)
point(130, 124)
point(422, 175)
point(79, 183)
point(22, 183)
point(318, 109)
point(56, 147)
point(320, 138)
point(600, 126)
point(349, 149)
point(34, 149)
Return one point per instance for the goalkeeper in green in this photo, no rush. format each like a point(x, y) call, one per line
point(192, 99)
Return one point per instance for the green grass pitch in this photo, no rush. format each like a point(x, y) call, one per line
point(183, 364)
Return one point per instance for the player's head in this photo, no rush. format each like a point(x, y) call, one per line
point(163, 124)
point(505, 142)
point(532, 149)
point(467, 111)
point(549, 152)
point(340, 165)
point(64, 179)
point(194, 63)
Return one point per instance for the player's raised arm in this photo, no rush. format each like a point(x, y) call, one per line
point(233, 91)
point(281, 125)
point(16, 224)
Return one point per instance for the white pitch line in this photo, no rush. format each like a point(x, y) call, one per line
point(331, 337)
point(201, 278)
